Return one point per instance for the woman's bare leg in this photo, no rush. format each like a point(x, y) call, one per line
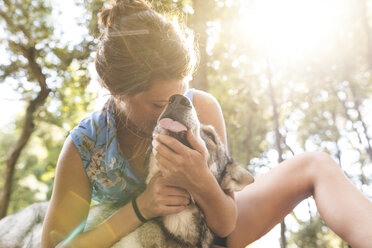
point(267, 201)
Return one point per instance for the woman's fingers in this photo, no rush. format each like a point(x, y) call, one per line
point(176, 191)
point(172, 210)
point(174, 150)
point(168, 161)
point(172, 144)
point(195, 143)
point(162, 149)
point(178, 163)
point(176, 146)
point(168, 189)
point(165, 165)
point(176, 201)
point(161, 197)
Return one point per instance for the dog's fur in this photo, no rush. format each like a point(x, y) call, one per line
point(185, 229)
point(23, 229)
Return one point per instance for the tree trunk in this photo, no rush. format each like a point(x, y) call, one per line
point(338, 149)
point(27, 128)
point(283, 239)
point(357, 104)
point(278, 141)
point(359, 134)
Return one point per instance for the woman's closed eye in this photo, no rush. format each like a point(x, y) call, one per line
point(158, 106)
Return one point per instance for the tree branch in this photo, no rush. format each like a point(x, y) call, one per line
point(27, 128)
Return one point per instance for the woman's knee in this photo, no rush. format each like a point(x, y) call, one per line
point(310, 167)
point(318, 165)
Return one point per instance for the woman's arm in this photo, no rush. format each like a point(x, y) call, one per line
point(192, 171)
point(71, 190)
point(222, 217)
point(69, 207)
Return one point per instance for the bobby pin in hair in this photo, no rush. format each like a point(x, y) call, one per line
point(129, 32)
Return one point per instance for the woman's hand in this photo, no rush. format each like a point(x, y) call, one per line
point(181, 165)
point(162, 198)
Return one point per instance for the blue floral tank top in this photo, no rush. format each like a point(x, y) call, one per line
point(109, 172)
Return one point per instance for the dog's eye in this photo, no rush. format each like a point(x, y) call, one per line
point(211, 136)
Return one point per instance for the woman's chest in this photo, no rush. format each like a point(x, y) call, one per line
point(136, 153)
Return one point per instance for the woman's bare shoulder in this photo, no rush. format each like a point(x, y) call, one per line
point(209, 112)
point(70, 171)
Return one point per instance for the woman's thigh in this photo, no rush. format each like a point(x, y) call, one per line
point(270, 198)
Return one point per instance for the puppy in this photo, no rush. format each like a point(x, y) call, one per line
point(188, 228)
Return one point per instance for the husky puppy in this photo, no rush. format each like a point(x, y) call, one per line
point(187, 229)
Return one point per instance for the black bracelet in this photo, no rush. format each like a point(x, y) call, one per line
point(136, 210)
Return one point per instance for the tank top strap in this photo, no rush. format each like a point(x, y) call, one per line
point(190, 94)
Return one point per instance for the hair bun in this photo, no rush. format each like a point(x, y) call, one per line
point(121, 8)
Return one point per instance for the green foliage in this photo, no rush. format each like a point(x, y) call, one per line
point(35, 169)
point(315, 234)
point(32, 25)
point(246, 122)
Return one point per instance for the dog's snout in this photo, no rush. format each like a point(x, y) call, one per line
point(185, 102)
point(172, 99)
point(180, 99)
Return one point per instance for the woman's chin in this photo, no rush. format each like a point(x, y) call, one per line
point(148, 129)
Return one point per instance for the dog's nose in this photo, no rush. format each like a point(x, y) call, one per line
point(180, 99)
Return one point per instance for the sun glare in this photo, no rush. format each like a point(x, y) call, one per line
point(293, 27)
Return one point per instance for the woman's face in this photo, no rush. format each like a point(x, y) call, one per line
point(144, 108)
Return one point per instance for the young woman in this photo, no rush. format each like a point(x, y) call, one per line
point(142, 59)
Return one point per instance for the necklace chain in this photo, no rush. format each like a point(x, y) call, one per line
point(132, 129)
point(136, 132)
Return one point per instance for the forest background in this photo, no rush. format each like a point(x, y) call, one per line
point(290, 75)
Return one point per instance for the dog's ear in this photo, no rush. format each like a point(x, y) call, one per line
point(235, 177)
